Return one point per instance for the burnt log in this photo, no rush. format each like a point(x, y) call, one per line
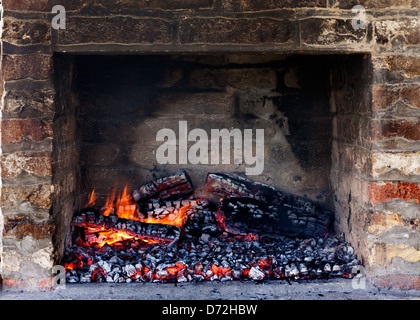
point(170, 210)
point(250, 216)
point(173, 187)
point(298, 216)
point(137, 229)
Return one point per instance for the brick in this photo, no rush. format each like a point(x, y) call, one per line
point(20, 129)
point(409, 66)
point(384, 96)
point(398, 281)
point(116, 30)
point(39, 164)
point(321, 31)
point(24, 32)
point(28, 284)
point(38, 196)
point(405, 163)
point(258, 5)
point(36, 67)
point(43, 5)
point(19, 226)
point(383, 191)
point(235, 31)
point(385, 129)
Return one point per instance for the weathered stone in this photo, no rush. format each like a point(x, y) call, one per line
point(24, 32)
point(37, 104)
point(39, 164)
point(19, 226)
point(321, 31)
point(36, 67)
point(125, 5)
point(39, 196)
point(383, 191)
point(235, 31)
point(405, 163)
point(380, 222)
point(259, 5)
point(398, 281)
point(43, 5)
point(387, 30)
point(408, 66)
point(115, 30)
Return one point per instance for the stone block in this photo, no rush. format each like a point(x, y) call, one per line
point(408, 66)
point(38, 164)
point(235, 31)
point(43, 5)
point(260, 5)
point(38, 196)
point(386, 31)
point(120, 29)
point(405, 164)
point(37, 104)
point(322, 31)
point(26, 32)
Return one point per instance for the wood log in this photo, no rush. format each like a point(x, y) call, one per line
point(250, 216)
point(147, 231)
point(291, 210)
point(160, 209)
point(176, 186)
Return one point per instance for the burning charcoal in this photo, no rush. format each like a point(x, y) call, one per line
point(327, 268)
point(130, 270)
point(175, 186)
point(86, 277)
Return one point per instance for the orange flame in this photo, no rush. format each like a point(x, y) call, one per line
point(92, 199)
point(125, 207)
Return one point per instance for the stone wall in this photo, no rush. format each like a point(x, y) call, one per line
point(380, 199)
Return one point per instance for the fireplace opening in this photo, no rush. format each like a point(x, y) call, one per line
point(177, 168)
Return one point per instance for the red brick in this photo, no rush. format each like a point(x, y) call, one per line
point(389, 190)
point(28, 284)
point(398, 281)
point(36, 67)
point(18, 129)
point(384, 129)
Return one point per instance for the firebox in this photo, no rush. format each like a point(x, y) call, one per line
point(209, 141)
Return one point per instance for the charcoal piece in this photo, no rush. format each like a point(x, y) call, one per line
point(304, 214)
point(147, 231)
point(175, 186)
point(251, 216)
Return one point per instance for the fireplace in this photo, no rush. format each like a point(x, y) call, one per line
point(93, 107)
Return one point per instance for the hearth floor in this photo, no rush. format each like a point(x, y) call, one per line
point(332, 289)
